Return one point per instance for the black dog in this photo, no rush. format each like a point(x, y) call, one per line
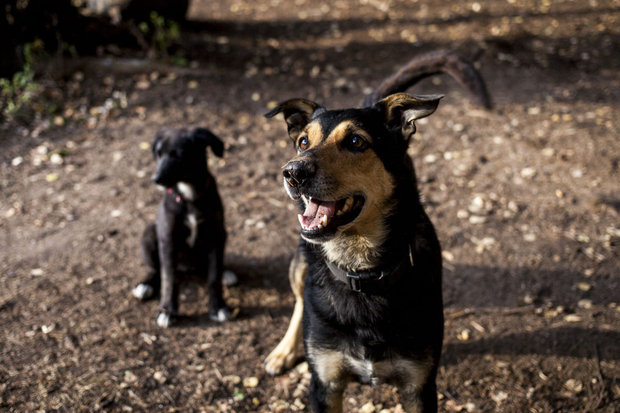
point(368, 256)
point(189, 233)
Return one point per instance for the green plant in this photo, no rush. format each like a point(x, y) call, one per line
point(18, 91)
point(162, 33)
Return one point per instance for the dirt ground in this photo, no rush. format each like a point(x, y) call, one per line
point(525, 199)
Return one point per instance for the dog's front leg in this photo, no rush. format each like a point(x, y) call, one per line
point(218, 310)
point(168, 302)
point(419, 399)
point(287, 351)
point(149, 286)
point(325, 397)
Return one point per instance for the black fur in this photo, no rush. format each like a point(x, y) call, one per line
point(400, 320)
point(173, 246)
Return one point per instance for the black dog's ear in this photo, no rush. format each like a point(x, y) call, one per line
point(402, 110)
point(156, 142)
point(297, 113)
point(209, 139)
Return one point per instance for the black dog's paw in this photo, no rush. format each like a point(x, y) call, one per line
point(165, 319)
point(143, 291)
point(229, 278)
point(224, 314)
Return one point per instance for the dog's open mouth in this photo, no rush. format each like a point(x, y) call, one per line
point(323, 217)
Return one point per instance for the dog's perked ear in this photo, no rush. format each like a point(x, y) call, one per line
point(402, 110)
point(297, 113)
point(207, 137)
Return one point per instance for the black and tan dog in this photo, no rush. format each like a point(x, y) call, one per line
point(189, 234)
point(368, 255)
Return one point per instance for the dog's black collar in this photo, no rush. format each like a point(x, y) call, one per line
point(371, 281)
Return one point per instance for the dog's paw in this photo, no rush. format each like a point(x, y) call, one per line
point(279, 361)
point(229, 278)
point(142, 291)
point(224, 314)
point(164, 320)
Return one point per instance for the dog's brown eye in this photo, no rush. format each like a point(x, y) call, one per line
point(356, 143)
point(303, 143)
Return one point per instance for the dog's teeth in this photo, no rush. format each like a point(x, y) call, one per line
point(347, 205)
point(324, 220)
point(301, 219)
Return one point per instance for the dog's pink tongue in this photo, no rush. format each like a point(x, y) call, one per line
point(315, 210)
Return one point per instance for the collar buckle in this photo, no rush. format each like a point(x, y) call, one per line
point(356, 282)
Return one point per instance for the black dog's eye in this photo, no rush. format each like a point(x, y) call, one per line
point(303, 143)
point(355, 143)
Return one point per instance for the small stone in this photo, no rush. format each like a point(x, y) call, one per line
point(117, 156)
point(52, 177)
point(471, 408)
point(192, 84)
point(583, 286)
point(129, 377)
point(458, 127)
point(477, 205)
point(250, 382)
point(572, 318)
point(145, 146)
point(160, 377)
point(447, 255)
point(463, 335)
point(585, 303)
point(431, 158)
point(512, 206)
point(476, 219)
point(232, 379)
point(36, 272)
point(47, 329)
point(529, 237)
point(17, 161)
point(59, 121)
point(368, 408)
point(499, 397)
point(582, 238)
point(116, 213)
point(548, 152)
point(56, 159)
point(41, 150)
point(143, 84)
point(574, 386)
point(528, 173)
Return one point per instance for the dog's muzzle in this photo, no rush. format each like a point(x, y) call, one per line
point(297, 174)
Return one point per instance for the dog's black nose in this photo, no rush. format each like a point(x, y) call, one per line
point(297, 173)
